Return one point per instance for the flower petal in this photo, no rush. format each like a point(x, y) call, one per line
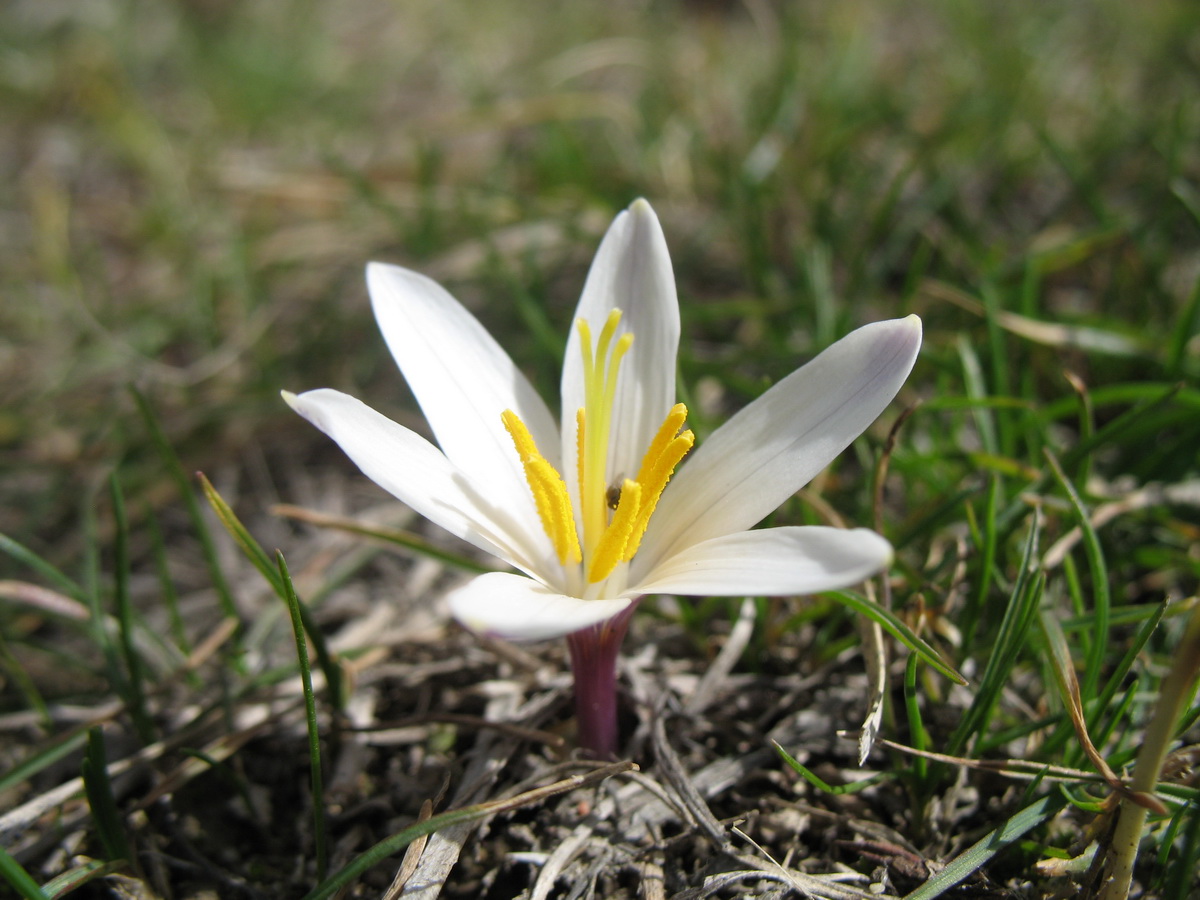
point(632, 272)
point(774, 446)
point(463, 381)
point(521, 609)
point(772, 562)
point(412, 469)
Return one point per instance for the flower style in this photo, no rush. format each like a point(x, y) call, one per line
point(605, 509)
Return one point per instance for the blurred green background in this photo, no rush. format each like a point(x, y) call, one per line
point(190, 190)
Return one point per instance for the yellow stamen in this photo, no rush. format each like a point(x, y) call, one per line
point(666, 433)
point(662, 456)
point(653, 478)
point(549, 492)
point(613, 518)
point(610, 549)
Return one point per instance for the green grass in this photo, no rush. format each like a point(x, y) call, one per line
point(191, 190)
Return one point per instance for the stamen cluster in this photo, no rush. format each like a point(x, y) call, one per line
point(611, 533)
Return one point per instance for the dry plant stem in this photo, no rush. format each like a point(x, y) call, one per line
point(1175, 693)
point(594, 663)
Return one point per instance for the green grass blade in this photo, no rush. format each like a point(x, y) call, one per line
point(1101, 599)
point(1148, 399)
point(1185, 327)
point(989, 534)
point(134, 668)
point(918, 736)
point(98, 622)
point(23, 682)
point(59, 747)
point(1001, 355)
point(166, 587)
point(1019, 614)
point(25, 556)
point(1181, 877)
point(103, 804)
point(241, 536)
point(255, 553)
point(79, 876)
point(18, 879)
point(184, 486)
point(1087, 427)
point(819, 783)
point(980, 853)
point(310, 711)
point(1118, 718)
point(977, 391)
point(897, 628)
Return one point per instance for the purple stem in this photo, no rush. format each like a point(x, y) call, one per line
point(594, 661)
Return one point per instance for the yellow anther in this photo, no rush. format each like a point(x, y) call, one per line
point(663, 455)
point(611, 548)
point(667, 432)
point(521, 438)
point(549, 492)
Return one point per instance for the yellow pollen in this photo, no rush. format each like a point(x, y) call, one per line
point(549, 492)
point(662, 456)
point(620, 539)
point(666, 433)
point(612, 545)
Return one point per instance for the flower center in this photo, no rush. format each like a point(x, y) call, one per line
point(612, 518)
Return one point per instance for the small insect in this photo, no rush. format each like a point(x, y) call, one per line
point(613, 495)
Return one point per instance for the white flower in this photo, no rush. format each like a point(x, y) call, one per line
point(604, 530)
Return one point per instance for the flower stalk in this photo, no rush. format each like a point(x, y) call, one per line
point(1176, 692)
point(594, 652)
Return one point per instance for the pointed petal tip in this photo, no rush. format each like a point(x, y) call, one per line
point(386, 280)
point(305, 404)
point(881, 545)
point(909, 325)
point(889, 555)
point(904, 335)
point(642, 215)
point(916, 332)
point(375, 271)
